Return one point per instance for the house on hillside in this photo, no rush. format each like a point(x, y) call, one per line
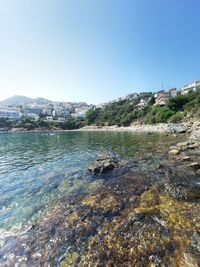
point(143, 103)
point(131, 96)
point(32, 116)
point(159, 92)
point(173, 92)
point(163, 96)
point(191, 87)
point(10, 113)
point(49, 118)
point(145, 94)
point(32, 109)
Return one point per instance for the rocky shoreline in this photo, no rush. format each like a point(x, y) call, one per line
point(157, 128)
point(189, 151)
point(21, 130)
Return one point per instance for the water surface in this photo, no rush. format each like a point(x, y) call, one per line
point(39, 169)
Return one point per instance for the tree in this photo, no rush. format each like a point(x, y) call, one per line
point(177, 103)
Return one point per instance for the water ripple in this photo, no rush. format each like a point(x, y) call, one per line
point(38, 169)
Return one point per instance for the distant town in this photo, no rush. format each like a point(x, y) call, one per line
point(18, 106)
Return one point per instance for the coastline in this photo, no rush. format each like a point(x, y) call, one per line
point(149, 128)
point(146, 128)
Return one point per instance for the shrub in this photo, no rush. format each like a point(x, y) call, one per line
point(164, 114)
point(176, 117)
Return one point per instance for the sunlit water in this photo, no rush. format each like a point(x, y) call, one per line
point(39, 169)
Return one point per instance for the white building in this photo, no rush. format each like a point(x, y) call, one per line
point(67, 106)
point(10, 113)
point(79, 115)
point(102, 105)
point(32, 116)
point(49, 118)
point(33, 108)
point(143, 103)
point(61, 119)
point(58, 111)
point(191, 87)
point(173, 92)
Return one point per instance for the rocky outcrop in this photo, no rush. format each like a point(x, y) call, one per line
point(104, 164)
point(177, 128)
point(188, 152)
point(183, 184)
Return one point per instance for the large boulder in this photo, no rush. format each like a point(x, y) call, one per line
point(178, 128)
point(104, 164)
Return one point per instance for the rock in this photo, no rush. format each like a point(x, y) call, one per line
point(173, 147)
point(177, 128)
point(174, 152)
point(196, 241)
point(187, 145)
point(198, 172)
point(183, 184)
point(160, 166)
point(194, 165)
point(183, 144)
point(193, 146)
point(185, 158)
point(103, 164)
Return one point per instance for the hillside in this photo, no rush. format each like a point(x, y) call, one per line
point(125, 112)
point(16, 100)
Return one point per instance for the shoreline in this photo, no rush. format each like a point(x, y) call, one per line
point(149, 128)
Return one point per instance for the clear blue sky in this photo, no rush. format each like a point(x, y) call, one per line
point(97, 50)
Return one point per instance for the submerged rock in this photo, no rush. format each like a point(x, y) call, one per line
point(194, 165)
point(196, 241)
point(104, 164)
point(185, 158)
point(174, 152)
point(183, 185)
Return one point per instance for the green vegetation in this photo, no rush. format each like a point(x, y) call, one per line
point(125, 112)
point(159, 114)
point(120, 113)
point(177, 117)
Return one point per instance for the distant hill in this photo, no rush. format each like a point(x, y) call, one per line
point(17, 100)
point(42, 101)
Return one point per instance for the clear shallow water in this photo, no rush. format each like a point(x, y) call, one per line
point(39, 169)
